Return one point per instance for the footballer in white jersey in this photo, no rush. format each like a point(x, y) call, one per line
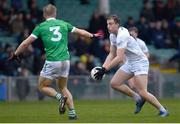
point(136, 65)
point(134, 33)
point(136, 61)
point(142, 45)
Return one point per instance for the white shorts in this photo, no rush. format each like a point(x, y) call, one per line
point(54, 70)
point(136, 67)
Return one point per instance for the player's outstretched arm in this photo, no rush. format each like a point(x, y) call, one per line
point(85, 33)
point(24, 45)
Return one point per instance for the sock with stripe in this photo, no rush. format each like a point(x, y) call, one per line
point(72, 113)
point(58, 96)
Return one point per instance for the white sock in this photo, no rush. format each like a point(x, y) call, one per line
point(162, 109)
point(136, 97)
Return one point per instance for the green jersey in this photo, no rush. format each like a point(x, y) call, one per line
point(54, 34)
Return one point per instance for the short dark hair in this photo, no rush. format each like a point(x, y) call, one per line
point(133, 29)
point(115, 18)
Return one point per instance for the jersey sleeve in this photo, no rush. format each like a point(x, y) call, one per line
point(36, 32)
point(143, 46)
point(122, 41)
point(70, 27)
point(145, 49)
point(112, 39)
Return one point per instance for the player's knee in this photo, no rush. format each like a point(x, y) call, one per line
point(63, 89)
point(143, 93)
point(131, 86)
point(40, 87)
point(114, 85)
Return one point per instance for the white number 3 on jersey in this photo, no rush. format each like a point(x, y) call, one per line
point(56, 34)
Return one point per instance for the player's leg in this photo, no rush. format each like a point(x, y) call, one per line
point(140, 102)
point(131, 83)
point(48, 73)
point(122, 75)
point(46, 79)
point(62, 85)
point(117, 83)
point(141, 86)
point(61, 81)
point(44, 87)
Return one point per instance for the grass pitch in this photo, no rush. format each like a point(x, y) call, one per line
point(92, 111)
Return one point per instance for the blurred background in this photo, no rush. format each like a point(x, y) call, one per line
point(158, 22)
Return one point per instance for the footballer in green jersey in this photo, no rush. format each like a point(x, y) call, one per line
point(54, 35)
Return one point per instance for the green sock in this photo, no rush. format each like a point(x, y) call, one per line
point(58, 96)
point(72, 113)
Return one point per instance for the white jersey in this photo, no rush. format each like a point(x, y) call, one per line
point(142, 45)
point(123, 39)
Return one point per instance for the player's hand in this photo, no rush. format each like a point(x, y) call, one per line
point(98, 35)
point(99, 75)
point(14, 57)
